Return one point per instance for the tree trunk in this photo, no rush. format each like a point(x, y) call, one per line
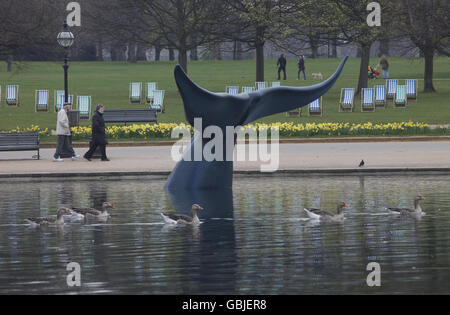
point(9, 62)
point(141, 53)
point(132, 56)
point(334, 48)
point(157, 53)
point(182, 59)
point(384, 47)
point(100, 50)
point(171, 54)
point(365, 59)
point(194, 54)
point(260, 54)
point(429, 68)
point(237, 51)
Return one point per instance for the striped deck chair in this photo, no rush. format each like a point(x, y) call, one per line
point(400, 99)
point(411, 89)
point(380, 96)
point(41, 101)
point(61, 100)
point(248, 89)
point(346, 101)
point(151, 87)
point(158, 101)
point(84, 107)
point(276, 84)
point(260, 85)
point(135, 93)
point(12, 95)
point(367, 100)
point(315, 108)
point(391, 88)
point(233, 90)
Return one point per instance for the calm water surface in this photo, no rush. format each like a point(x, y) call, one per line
point(254, 241)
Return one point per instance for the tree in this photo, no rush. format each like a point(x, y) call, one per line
point(427, 24)
point(254, 22)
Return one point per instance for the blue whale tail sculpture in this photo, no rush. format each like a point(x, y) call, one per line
point(223, 110)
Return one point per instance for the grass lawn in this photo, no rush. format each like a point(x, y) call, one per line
point(108, 83)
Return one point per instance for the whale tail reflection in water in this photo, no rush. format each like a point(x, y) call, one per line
point(223, 110)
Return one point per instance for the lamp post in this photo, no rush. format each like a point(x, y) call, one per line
point(65, 39)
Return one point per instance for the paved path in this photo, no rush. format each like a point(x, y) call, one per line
point(328, 156)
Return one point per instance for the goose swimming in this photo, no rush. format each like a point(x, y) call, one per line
point(100, 214)
point(416, 211)
point(59, 220)
point(183, 219)
point(317, 214)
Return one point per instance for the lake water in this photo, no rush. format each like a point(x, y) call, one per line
point(255, 240)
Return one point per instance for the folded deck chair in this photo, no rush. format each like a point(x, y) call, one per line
point(367, 100)
point(315, 108)
point(391, 88)
point(380, 96)
point(248, 89)
point(260, 85)
point(41, 101)
point(151, 87)
point(400, 99)
point(346, 101)
point(411, 89)
point(276, 84)
point(84, 107)
point(233, 90)
point(59, 104)
point(158, 101)
point(135, 92)
point(12, 95)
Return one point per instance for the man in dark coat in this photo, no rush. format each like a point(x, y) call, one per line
point(98, 135)
point(301, 67)
point(282, 66)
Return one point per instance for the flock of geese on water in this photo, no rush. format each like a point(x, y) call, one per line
point(181, 219)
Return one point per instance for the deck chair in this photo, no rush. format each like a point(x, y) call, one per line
point(260, 85)
point(294, 113)
point(276, 84)
point(158, 101)
point(84, 107)
point(248, 89)
point(391, 88)
point(411, 89)
point(233, 90)
point(151, 87)
point(12, 95)
point(59, 104)
point(400, 100)
point(135, 93)
point(41, 101)
point(367, 100)
point(315, 108)
point(380, 96)
point(346, 101)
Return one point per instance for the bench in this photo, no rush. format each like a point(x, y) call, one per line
point(129, 115)
point(28, 141)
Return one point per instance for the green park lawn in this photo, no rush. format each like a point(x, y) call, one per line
point(108, 83)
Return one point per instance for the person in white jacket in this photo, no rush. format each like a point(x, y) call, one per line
point(64, 135)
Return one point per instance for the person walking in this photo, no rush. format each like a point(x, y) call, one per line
point(281, 64)
point(385, 67)
point(64, 136)
point(301, 67)
point(98, 135)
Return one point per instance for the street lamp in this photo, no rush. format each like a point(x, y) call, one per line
point(65, 39)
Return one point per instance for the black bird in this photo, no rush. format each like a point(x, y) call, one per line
point(362, 163)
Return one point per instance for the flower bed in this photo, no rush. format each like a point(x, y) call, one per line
point(286, 130)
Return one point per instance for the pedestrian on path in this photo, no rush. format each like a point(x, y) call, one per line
point(64, 134)
point(98, 135)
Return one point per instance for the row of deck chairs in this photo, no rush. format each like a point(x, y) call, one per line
point(234, 90)
point(377, 97)
point(154, 97)
point(12, 95)
point(83, 103)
